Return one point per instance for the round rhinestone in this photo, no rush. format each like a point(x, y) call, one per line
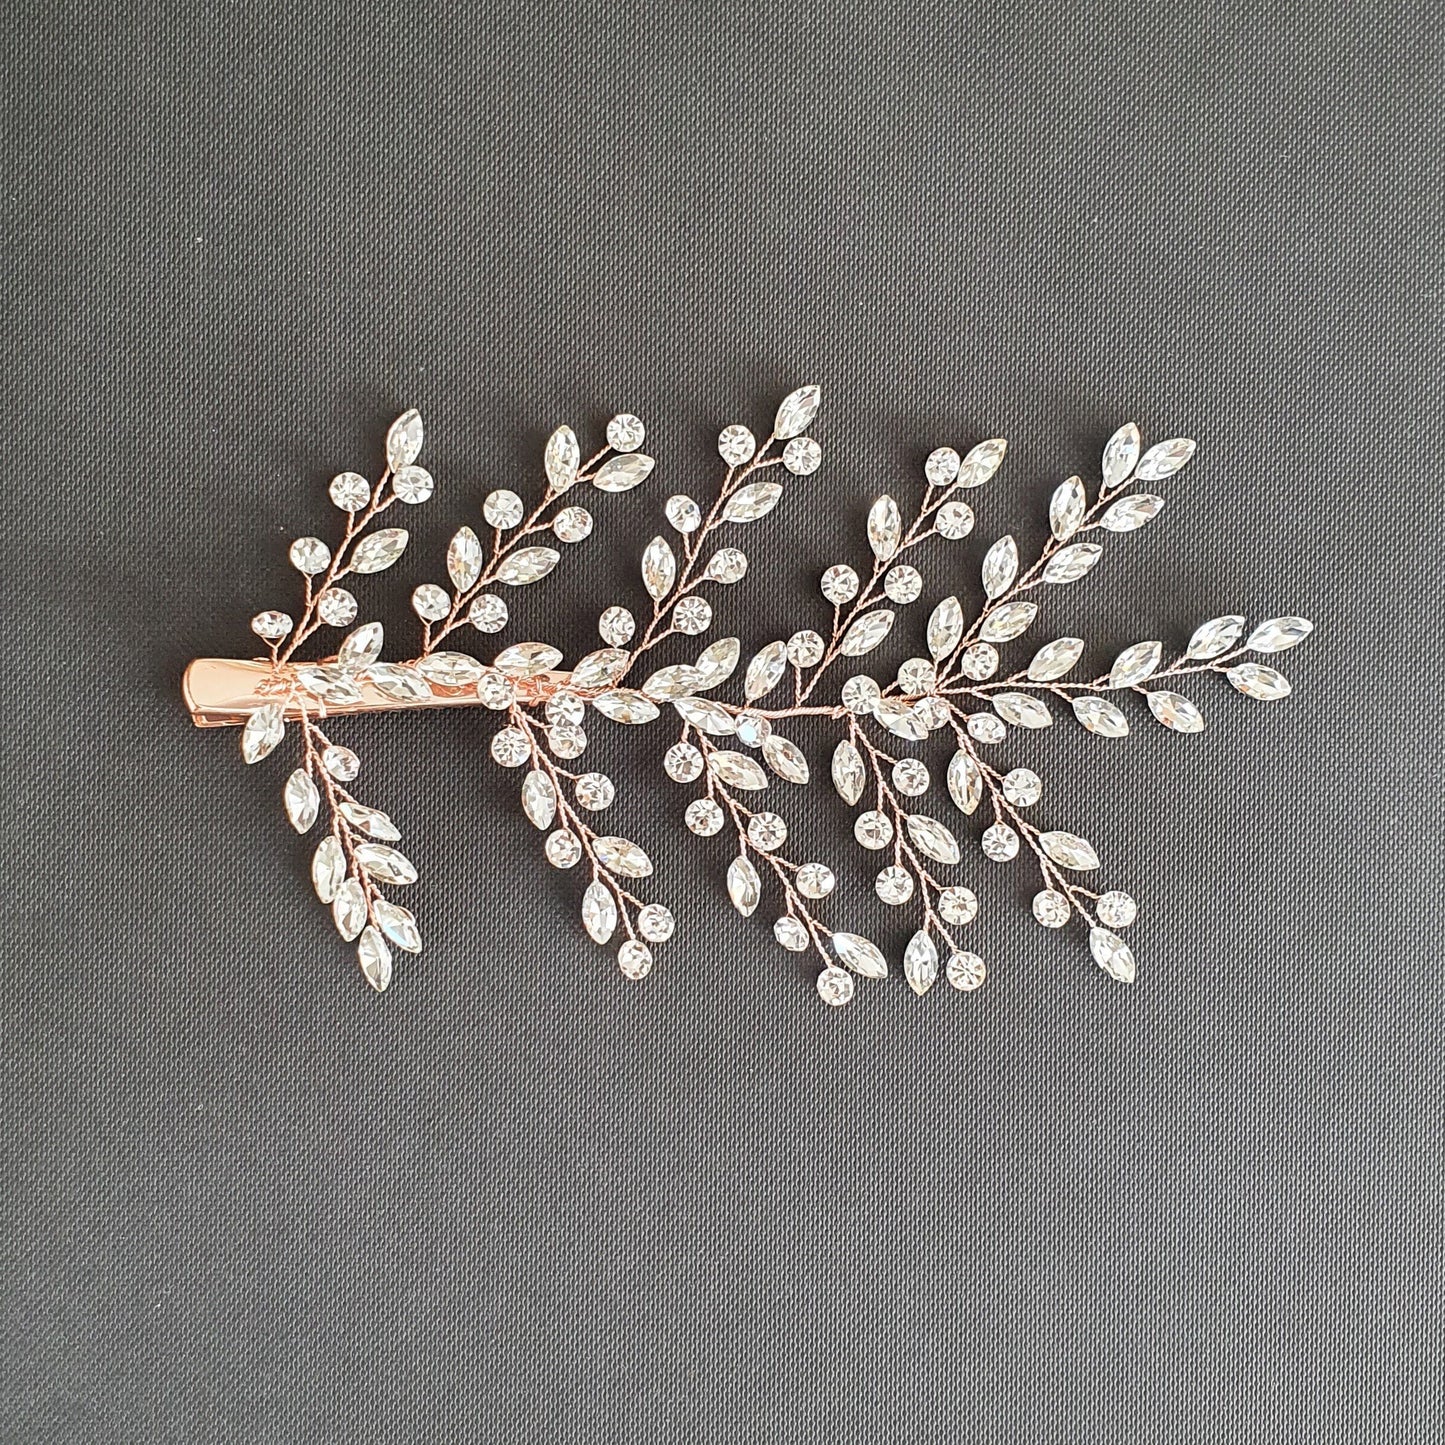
point(565, 707)
point(310, 555)
point(894, 885)
point(341, 763)
point(835, 986)
point(736, 445)
point(682, 762)
point(684, 514)
point(917, 675)
point(872, 829)
point(903, 583)
point(815, 880)
point(337, 607)
point(979, 661)
point(1116, 909)
point(802, 456)
point(350, 492)
point(272, 626)
point(704, 817)
point(957, 905)
point(572, 524)
point(692, 615)
point(934, 713)
point(655, 922)
point(840, 584)
point(767, 831)
point(1000, 843)
point(984, 727)
point(595, 791)
point(966, 971)
point(616, 626)
point(634, 958)
point(510, 748)
point(563, 848)
point(910, 776)
point(567, 740)
point(727, 565)
point(1022, 787)
point(413, 485)
point(753, 729)
point(805, 648)
point(791, 933)
point(496, 690)
point(488, 613)
point(860, 694)
point(942, 466)
point(503, 508)
point(430, 602)
point(954, 520)
point(625, 432)
point(1051, 908)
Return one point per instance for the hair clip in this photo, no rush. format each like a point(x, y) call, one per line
point(732, 748)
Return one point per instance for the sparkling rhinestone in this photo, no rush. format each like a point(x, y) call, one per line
point(903, 584)
point(860, 694)
point(835, 986)
point(310, 555)
point(510, 748)
point(941, 467)
point(872, 829)
point(727, 565)
point(341, 763)
point(917, 675)
point(802, 456)
point(337, 607)
point(957, 905)
point(1000, 843)
point(565, 707)
point(572, 524)
point(1022, 787)
point(634, 958)
point(567, 740)
point(503, 508)
point(979, 661)
point(655, 922)
point(753, 729)
point(910, 776)
point(625, 432)
point(595, 791)
point(272, 626)
point(496, 690)
point(412, 485)
point(954, 520)
point(430, 602)
point(563, 848)
point(350, 492)
point(805, 648)
point(736, 445)
point(684, 514)
point(1116, 909)
point(704, 817)
point(966, 971)
point(767, 831)
point(933, 713)
point(840, 584)
point(894, 885)
point(616, 626)
point(791, 933)
point(815, 880)
point(692, 615)
point(682, 762)
point(1051, 908)
point(984, 727)
point(488, 613)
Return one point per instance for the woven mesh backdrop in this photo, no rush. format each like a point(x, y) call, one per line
point(519, 1198)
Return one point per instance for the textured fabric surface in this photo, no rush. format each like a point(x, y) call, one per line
point(518, 1198)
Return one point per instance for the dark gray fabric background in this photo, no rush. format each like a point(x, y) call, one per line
point(517, 1198)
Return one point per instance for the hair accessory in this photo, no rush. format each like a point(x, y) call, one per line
point(732, 749)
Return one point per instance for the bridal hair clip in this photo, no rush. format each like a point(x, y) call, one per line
point(732, 750)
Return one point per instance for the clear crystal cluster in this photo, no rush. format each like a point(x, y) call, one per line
point(915, 753)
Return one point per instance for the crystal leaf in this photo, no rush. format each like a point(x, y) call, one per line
point(1054, 659)
point(1135, 664)
point(348, 909)
point(1068, 850)
point(377, 552)
point(400, 684)
point(329, 684)
point(744, 886)
point(1164, 459)
point(1071, 563)
point(1112, 954)
point(785, 759)
point(450, 669)
point(945, 628)
point(848, 772)
point(371, 821)
point(562, 458)
point(931, 837)
point(626, 705)
point(885, 528)
point(398, 924)
point(1128, 514)
point(374, 957)
point(328, 868)
point(866, 632)
point(1066, 509)
point(860, 955)
point(1005, 623)
point(1257, 681)
point(526, 659)
point(796, 413)
point(403, 440)
point(360, 649)
point(753, 501)
point(1101, 716)
point(982, 462)
point(600, 668)
point(599, 912)
point(900, 719)
point(302, 800)
point(1000, 567)
point(920, 963)
point(717, 661)
point(706, 715)
point(659, 568)
point(529, 564)
point(1121, 452)
point(1022, 710)
point(737, 770)
point(1175, 711)
point(965, 782)
point(765, 671)
point(464, 559)
point(619, 855)
point(1215, 637)
point(622, 473)
point(263, 732)
point(384, 863)
point(681, 679)
point(1279, 634)
point(539, 799)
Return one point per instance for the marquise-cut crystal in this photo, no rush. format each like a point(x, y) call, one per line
point(599, 669)
point(302, 800)
point(403, 439)
point(622, 473)
point(1000, 567)
point(857, 953)
point(785, 759)
point(1112, 954)
point(449, 669)
point(1175, 711)
point(920, 963)
point(885, 528)
point(341, 763)
point(539, 799)
point(348, 909)
point(561, 458)
point(1022, 711)
point(620, 855)
point(765, 671)
point(328, 868)
point(361, 648)
point(659, 568)
point(1068, 850)
point(384, 863)
point(398, 924)
point(526, 659)
point(982, 462)
point(1279, 634)
point(744, 886)
point(1121, 453)
point(1072, 562)
point(930, 836)
point(1135, 664)
point(1011, 620)
point(1100, 716)
point(378, 551)
point(1066, 509)
point(626, 705)
point(529, 564)
point(1164, 459)
point(737, 770)
point(1257, 681)
point(374, 957)
point(1128, 514)
point(753, 501)
point(796, 411)
point(263, 732)
point(599, 912)
point(866, 632)
point(945, 628)
point(1053, 660)
point(848, 773)
point(965, 782)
